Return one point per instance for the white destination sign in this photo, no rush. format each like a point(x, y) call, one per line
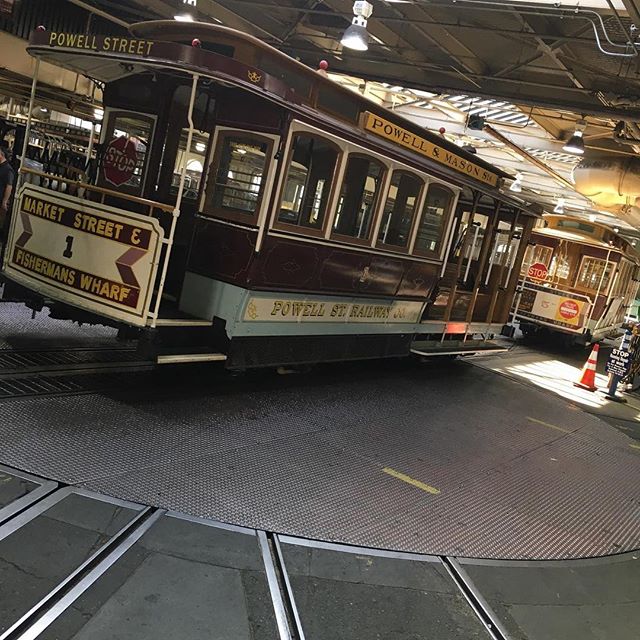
point(89, 255)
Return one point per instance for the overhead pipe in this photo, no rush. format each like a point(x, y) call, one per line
point(486, 5)
point(530, 158)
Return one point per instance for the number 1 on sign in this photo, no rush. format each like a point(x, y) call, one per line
point(68, 253)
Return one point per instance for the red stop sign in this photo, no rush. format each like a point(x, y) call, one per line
point(538, 271)
point(569, 309)
point(120, 160)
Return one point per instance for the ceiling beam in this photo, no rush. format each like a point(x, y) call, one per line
point(559, 42)
point(550, 52)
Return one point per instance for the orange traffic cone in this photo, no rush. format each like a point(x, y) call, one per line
point(588, 375)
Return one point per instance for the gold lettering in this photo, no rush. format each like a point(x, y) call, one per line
point(403, 137)
point(277, 306)
point(135, 236)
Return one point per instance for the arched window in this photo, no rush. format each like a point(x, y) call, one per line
point(400, 209)
point(359, 195)
point(307, 187)
point(435, 213)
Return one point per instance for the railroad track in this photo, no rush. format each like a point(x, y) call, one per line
point(51, 371)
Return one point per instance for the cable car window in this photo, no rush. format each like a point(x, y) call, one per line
point(560, 268)
point(622, 279)
point(125, 152)
point(359, 195)
point(236, 178)
point(594, 274)
point(307, 187)
point(400, 209)
point(435, 213)
point(195, 161)
point(536, 253)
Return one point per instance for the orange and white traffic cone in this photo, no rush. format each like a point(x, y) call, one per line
point(588, 375)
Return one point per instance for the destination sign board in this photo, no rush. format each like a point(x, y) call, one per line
point(390, 131)
point(553, 307)
point(89, 255)
point(618, 363)
point(98, 44)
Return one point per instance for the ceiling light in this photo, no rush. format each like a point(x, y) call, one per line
point(356, 36)
point(616, 230)
point(187, 12)
point(200, 146)
point(559, 208)
point(516, 186)
point(575, 144)
point(592, 218)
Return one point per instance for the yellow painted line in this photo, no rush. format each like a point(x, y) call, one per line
point(635, 446)
point(551, 426)
point(411, 481)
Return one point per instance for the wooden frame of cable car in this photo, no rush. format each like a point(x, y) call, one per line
point(591, 269)
point(324, 227)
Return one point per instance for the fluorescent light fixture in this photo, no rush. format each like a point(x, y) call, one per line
point(559, 208)
point(616, 230)
point(592, 218)
point(183, 17)
point(356, 36)
point(98, 114)
point(200, 146)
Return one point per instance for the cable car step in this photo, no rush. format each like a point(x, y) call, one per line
point(183, 322)
point(455, 347)
point(182, 358)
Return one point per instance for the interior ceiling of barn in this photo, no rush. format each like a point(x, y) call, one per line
point(531, 69)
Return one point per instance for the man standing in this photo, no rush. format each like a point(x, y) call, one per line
point(7, 178)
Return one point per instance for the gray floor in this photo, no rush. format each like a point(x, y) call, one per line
point(353, 595)
point(520, 474)
point(180, 580)
point(19, 330)
point(155, 575)
point(575, 600)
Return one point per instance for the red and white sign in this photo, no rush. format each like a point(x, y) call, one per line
point(538, 271)
point(120, 161)
point(569, 309)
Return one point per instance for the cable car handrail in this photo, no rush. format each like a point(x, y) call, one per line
point(152, 204)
